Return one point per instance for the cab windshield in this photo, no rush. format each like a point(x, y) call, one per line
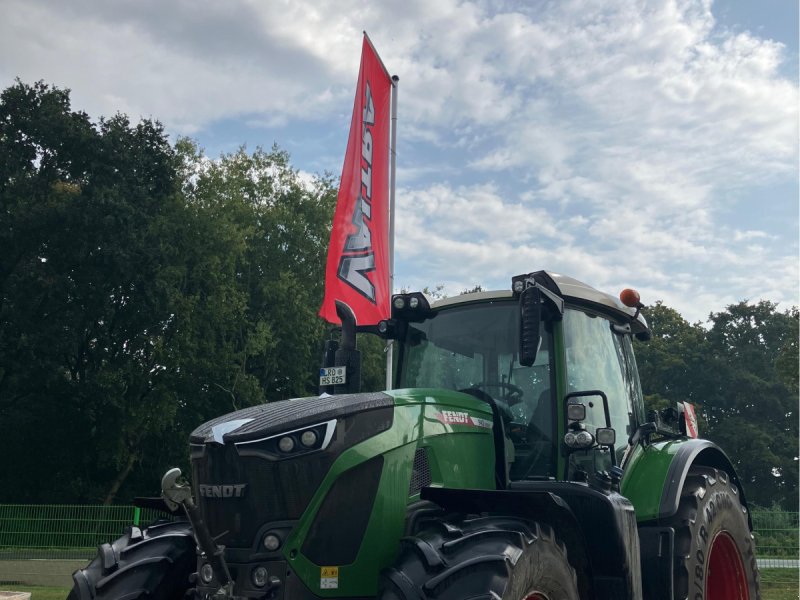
point(473, 348)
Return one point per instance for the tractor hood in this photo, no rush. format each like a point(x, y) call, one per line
point(273, 418)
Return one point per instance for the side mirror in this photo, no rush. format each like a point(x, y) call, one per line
point(530, 317)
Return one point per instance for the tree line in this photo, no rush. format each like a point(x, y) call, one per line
point(145, 288)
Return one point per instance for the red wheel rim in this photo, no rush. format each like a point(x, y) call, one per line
point(725, 576)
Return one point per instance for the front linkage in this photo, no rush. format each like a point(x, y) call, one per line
point(177, 492)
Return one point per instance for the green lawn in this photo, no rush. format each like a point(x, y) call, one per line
point(780, 584)
point(779, 594)
point(41, 592)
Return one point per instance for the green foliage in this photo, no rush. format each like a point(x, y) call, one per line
point(741, 374)
point(143, 290)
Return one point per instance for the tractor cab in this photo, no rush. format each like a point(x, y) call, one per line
point(532, 355)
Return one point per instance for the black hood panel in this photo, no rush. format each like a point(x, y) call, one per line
point(276, 417)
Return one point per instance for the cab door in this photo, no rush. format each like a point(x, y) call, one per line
point(599, 357)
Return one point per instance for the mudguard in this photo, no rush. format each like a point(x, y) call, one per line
point(653, 481)
point(655, 475)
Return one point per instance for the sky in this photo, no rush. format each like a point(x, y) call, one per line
point(626, 143)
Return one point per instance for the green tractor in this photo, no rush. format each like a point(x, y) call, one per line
point(513, 459)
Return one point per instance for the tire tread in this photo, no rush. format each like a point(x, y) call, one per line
point(153, 563)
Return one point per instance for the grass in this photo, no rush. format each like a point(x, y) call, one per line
point(59, 593)
point(770, 594)
point(40, 592)
point(777, 584)
point(780, 584)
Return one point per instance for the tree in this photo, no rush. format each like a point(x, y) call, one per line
point(670, 361)
point(755, 413)
point(279, 272)
point(144, 289)
point(85, 309)
point(741, 373)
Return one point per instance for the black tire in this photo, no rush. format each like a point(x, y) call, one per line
point(153, 563)
point(714, 550)
point(483, 558)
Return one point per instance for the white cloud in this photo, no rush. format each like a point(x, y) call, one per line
point(614, 141)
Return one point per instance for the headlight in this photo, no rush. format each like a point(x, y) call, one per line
point(286, 444)
point(584, 439)
point(578, 440)
point(576, 412)
point(206, 573)
point(606, 436)
point(308, 439)
point(272, 542)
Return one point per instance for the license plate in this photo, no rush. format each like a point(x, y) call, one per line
point(333, 376)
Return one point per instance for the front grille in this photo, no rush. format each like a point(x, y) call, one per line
point(420, 473)
point(277, 490)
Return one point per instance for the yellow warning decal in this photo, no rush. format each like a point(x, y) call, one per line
point(329, 578)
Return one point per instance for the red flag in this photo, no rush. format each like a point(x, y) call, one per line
point(357, 271)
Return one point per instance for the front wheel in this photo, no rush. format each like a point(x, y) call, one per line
point(483, 558)
point(714, 551)
point(153, 563)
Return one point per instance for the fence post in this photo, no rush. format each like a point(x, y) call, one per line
point(137, 513)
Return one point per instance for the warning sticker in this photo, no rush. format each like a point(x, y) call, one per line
point(455, 417)
point(329, 578)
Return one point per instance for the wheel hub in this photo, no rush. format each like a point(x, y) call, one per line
point(725, 575)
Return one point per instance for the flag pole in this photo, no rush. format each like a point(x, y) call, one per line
point(392, 157)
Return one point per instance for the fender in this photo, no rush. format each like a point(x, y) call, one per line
point(656, 473)
point(695, 452)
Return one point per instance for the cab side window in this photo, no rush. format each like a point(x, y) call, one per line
point(596, 360)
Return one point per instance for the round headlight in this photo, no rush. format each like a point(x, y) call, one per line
point(206, 573)
point(259, 576)
point(399, 303)
point(272, 542)
point(519, 286)
point(308, 439)
point(286, 444)
point(584, 439)
point(569, 439)
point(413, 302)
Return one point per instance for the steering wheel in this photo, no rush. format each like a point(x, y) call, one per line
point(512, 394)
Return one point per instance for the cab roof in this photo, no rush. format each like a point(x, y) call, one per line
point(571, 290)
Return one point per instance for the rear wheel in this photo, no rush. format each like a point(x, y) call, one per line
point(484, 558)
point(153, 563)
point(714, 550)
